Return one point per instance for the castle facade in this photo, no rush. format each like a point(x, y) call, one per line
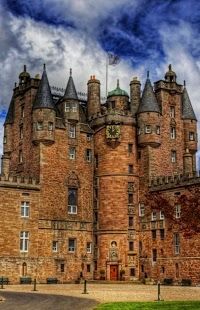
point(75, 174)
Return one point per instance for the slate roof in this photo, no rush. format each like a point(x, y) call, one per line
point(10, 115)
point(187, 109)
point(148, 102)
point(44, 97)
point(70, 91)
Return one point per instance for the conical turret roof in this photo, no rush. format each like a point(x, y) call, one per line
point(70, 91)
point(44, 97)
point(187, 109)
point(10, 114)
point(148, 102)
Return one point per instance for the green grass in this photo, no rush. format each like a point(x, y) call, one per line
point(161, 305)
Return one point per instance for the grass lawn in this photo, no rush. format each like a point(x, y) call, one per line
point(166, 305)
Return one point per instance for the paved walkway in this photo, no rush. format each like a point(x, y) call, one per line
point(72, 293)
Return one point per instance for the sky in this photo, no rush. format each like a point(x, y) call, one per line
point(77, 34)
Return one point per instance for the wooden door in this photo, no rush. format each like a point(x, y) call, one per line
point(113, 272)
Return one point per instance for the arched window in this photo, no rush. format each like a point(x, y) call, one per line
point(24, 269)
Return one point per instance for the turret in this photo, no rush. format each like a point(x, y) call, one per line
point(7, 140)
point(170, 76)
point(148, 116)
point(24, 77)
point(135, 88)
point(118, 99)
point(44, 113)
point(94, 103)
point(187, 162)
point(69, 104)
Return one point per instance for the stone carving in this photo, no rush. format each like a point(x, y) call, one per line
point(72, 180)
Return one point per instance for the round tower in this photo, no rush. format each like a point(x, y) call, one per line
point(44, 113)
point(187, 162)
point(118, 99)
point(94, 97)
point(148, 117)
point(135, 89)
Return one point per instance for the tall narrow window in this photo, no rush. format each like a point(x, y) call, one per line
point(153, 215)
point(50, 126)
point(55, 246)
point(62, 267)
point(130, 221)
point(72, 200)
point(173, 132)
point(20, 156)
point(74, 107)
point(172, 111)
point(154, 255)
point(130, 198)
point(67, 107)
point(162, 215)
point(173, 156)
point(191, 136)
point(177, 211)
point(147, 129)
point(176, 243)
point(130, 147)
point(72, 131)
point(72, 153)
point(24, 241)
point(158, 130)
point(89, 137)
point(89, 155)
point(24, 209)
point(130, 168)
point(21, 132)
point(22, 111)
point(89, 247)
point(96, 161)
point(4, 139)
point(131, 246)
point(72, 245)
point(24, 269)
point(162, 234)
point(141, 209)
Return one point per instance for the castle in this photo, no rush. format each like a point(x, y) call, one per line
point(75, 173)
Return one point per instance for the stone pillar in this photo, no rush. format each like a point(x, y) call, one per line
point(187, 162)
point(135, 86)
point(94, 104)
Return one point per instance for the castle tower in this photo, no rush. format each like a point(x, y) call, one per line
point(148, 116)
point(190, 129)
point(7, 142)
point(94, 97)
point(118, 99)
point(44, 113)
point(135, 87)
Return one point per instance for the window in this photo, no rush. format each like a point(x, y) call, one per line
point(158, 130)
point(72, 200)
point(72, 153)
point(4, 139)
point(132, 272)
point(89, 155)
point(72, 131)
point(177, 211)
point(21, 132)
point(153, 234)
point(39, 126)
point(162, 234)
point(176, 243)
point(67, 107)
point(95, 216)
point(62, 267)
point(113, 104)
point(141, 209)
point(89, 137)
point(89, 247)
point(55, 246)
point(191, 136)
point(22, 111)
point(74, 107)
point(130, 148)
point(50, 126)
point(173, 156)
point(130, 168)
point(24, 240)
point(172, 111)
point(147, 129)
point(154, 254)
point(162, 216)
point(24, 269)
point(96, 158)
point(24, 209)
point(88, 268)
point(153, 216)
point(72, 245)
point(173, 132)
point(20, 156)
point(130, 221)
point(130, 198)
point(131, 246)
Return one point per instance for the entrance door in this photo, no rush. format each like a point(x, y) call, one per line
point(113, 272)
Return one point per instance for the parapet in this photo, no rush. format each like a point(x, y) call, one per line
point(19, 182)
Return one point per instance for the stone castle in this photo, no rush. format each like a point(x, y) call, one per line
point(75, 173)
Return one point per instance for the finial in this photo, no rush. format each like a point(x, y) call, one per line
point(70, 71)
point(24, 68)
point(170, 67)
point(117, 83)
point(184, 83)
point(44, 67)
point(148, 74)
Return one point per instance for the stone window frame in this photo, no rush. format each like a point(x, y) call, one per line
point(50, 126)
point(141, 209)
point(172, 132)
point(191, 136)
point(55, 246)
point(72, 246)
point(153, 215)
point(172, 111)
point(158, 130)
point(72, 153)
point(173, 156)
point(72, 131)
point(89, 247)
point(39, 125)
point(162, 215)
point(72, 208)
point(177, 211)
point(24, 241)
point(154, 255)
point(88, 155)
point(148, 129)
point(25, 209)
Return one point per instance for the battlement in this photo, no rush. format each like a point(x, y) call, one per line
point(19, 182)
point(162, 183)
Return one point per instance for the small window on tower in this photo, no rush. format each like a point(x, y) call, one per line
point(50, 126)
point(22, 111)
point(130, 198)
point(147, 129)
point(191, 136)
point(173, 156)
point(177, 211)
point(131, 246)
point(141, 209)
point(89, 155)
point(173, 132)
point(72, 153)
point(130, 147)
point(74, 107)
point(39, 125)
point(112, 104)
point(89, 137)
point(130, 168)
point(72, 131)
point(4, 139)
point(158, 130)
point(172, 111)
point(21, 132)
point(20, 156)
point(67, 107)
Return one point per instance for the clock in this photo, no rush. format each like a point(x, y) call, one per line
point(112, 131)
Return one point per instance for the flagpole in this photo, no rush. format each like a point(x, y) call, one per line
point(106, 75)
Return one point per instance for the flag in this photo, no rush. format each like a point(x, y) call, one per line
point(113, 59)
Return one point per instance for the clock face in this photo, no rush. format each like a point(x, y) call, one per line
point(113, 131)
